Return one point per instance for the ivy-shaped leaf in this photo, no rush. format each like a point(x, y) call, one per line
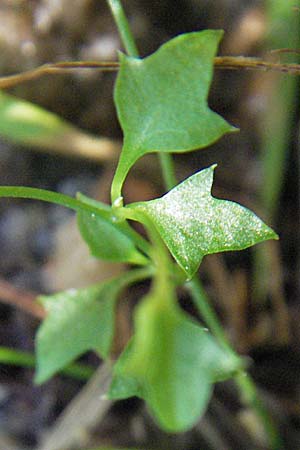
point(161, 100)
point(77, 321)
point(107, 239)
point(193, 223)
point(171, 363)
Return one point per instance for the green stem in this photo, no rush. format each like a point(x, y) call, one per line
point(250, 396)
point(158, 251)
point(207, 312)
point(168, 170)
point(123, 27)
point(69, 202)
point(136, 275)
point(127, 38)
point(140, 242)
point(49, 196)
point(13, 357)
point(247, 388)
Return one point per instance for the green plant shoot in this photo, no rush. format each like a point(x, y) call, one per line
point(171, 361)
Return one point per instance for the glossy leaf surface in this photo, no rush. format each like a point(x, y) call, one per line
point(161, 100)
point(193, 223)
point(77, 321)
point(171, 362)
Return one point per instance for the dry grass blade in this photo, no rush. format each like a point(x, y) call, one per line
point(55, 68)
point(244, 63)
point(81, 415)
point(220, 62)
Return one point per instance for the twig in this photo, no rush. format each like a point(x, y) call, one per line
point(241, 62)
point(22, 299)
point(220, 62)
point(55, 68)
point(277, 51)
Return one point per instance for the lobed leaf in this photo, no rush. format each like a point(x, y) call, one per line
point(193, 223)
point(161, 100)
point(171, 362)
point(77, 321)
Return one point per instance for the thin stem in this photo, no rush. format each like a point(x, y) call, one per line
point(158, 251)
point(166, 161)
point(247, 388)
point(123, 27)
point(250, 396)
point(136, 275)
point(168, 170)
point(131, 49)
point(48, 196)
point(140, 242)
point(103, 210)
point(14, 357)
point(207, 312)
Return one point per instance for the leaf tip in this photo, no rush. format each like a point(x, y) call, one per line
point(219, 33)
point(270, 233)
point(210, 171)
point(233, 129)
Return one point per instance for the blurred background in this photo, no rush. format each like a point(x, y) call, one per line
point(60, 132)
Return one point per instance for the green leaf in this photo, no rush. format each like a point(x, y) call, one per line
point(106, 238)
point(20, 358)
point(77, 321)
point(161, 100)
point(193, 223)
point(171, 362)
point(124, 385)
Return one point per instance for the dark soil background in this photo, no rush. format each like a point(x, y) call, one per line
point(41, 252)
